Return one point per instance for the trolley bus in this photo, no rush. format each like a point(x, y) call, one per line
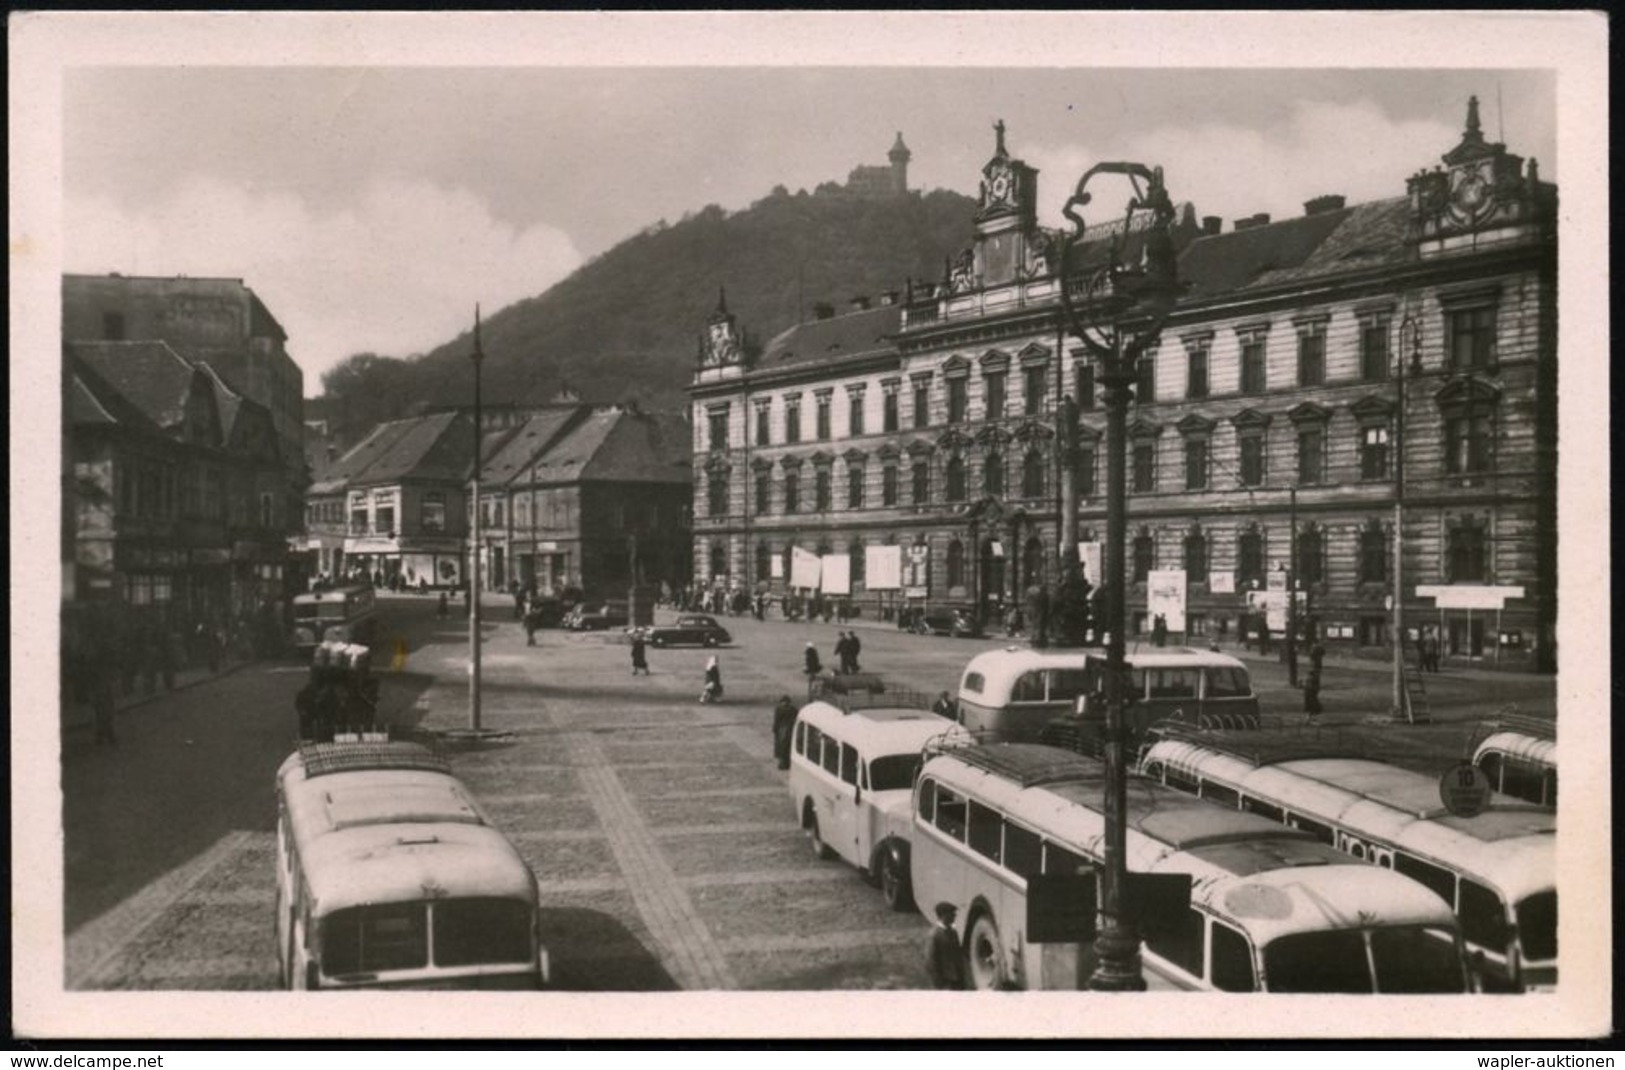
point(1497, 870)
point(1270, 909)
point(1520, 758)
point(389, 876)
point(339, 614)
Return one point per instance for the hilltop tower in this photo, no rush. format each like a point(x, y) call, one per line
point(899, 157)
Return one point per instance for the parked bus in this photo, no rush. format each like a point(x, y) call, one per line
point(1498, 870)
point(390, 876)
point(1270, 909)
point(1019, 694)
point(339, 614)
point(1519, 755)
point(852, 763)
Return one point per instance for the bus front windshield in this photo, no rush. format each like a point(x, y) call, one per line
point(893, 772)
point(1407, 959)
point(396, 936)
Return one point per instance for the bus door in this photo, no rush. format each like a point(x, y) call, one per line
point(844, 827)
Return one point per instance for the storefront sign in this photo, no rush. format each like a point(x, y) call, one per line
point(1468, 596)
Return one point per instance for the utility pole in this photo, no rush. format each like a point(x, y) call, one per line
point(1292, 596)
point(1410, 332)
point(477, 357)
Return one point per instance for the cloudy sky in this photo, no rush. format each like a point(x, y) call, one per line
point(371, 199)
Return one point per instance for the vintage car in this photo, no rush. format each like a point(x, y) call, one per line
point(955, 622)
point(690, 628)
point(597, 616)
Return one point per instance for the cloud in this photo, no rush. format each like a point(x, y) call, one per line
point(397, 272)
point(1230, 171)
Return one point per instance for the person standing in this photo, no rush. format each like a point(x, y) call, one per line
point(1311, 692)
point(640, 658)
point(532, 619)
point(945, 959)
point(1317, 655)
point(713, 682)
point(443, 609)
point(944, 707)
point(853, 646)
point(842, 659)
point(813, 665)
point(784, 723)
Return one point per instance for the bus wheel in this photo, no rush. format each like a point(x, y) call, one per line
point(984, 955)
point(894, 880)
point(820, 849)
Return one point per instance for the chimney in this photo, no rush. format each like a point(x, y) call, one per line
point(1211, 224)
point(1257, 220)
point(823, 310)
point(859, 304)
point(888, 298)
point(1331, 202)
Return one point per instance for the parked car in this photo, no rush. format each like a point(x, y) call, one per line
point(596, 617)
point(955, 622)
point(689, 628)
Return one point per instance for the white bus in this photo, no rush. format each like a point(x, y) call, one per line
point(852, 765)
point(1520, 761)
point(337, 614)
point(1018, 694)
point(1497, 870)
point(389, 876)
point(1270, 910)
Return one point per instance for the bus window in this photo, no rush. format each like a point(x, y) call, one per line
point(388, 936)
point(1180, 941)
point(832, 757)
point(849, 763)
point(1412, 959)
point(1263, 809)
point(928, 799)
point(1058, 859)
point(1178, 778)
point(1065, 685)
point(471, 932)
point(801, 738)
point(986, 827)
point(1331, 960)
point(1220, 794)
point(1023, 850)
point(1537, 925)
point(815, 744)
point(950, 815)
point(1029, 687)
point(1173, 683)
point(1483, 916)
point(973, 683)
point(1232, 960)
point(1440, 882)
point(1227, 682)
point(1323, 833)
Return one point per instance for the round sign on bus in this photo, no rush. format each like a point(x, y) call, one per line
point(1465, 790)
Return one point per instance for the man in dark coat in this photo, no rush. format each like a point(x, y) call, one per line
point(843, 653)
point(852, 648)
point(1311, 692)
point(640, 655)
point(945, 959)
point(813, 665)
point(784, 722)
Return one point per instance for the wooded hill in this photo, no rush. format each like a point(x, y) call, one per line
point(626, 325)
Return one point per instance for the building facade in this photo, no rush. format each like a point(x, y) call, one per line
point(1319, 377)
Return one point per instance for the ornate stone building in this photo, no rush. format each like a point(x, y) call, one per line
point(1317, 372)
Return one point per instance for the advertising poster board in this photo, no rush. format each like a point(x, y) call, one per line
point(804, 568)
point(1165, 594)
point(882, 567)
point(837, 574)
point(1089, 559)
point(1222, 582)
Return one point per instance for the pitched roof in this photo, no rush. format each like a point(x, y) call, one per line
point(152, 376)
point(621, 446)
point(92, 401)
point(227, 400)
point(852, 334)
point(529, 440)
point(1292, 250)
point(418, 447)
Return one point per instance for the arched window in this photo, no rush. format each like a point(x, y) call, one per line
point(717, 491)
point(956, 564)
point(1032, 475)
point(1310, 554)
point(764, 561)
point(1196, 557)
point(719, 560)
point(1145, 555)
point(921, 476)
point(993, 475)
point(992, 568)
point(1033, 568)
point(1250, 559)
point(1373, 553)
point(854, 551)
point(956, 479)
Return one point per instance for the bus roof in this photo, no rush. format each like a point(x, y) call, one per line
point(878, 729)
point(332, 594)
point(1510, 846)
point(1532, 749)
point(1264, 877)
point(1000, 669)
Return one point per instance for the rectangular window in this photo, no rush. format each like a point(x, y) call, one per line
point(792, 420)
point(1312, 355)
point(921, 478)
point(1472, 338)
point(764, 492)
point(1374, 453)
point(1252, 365)
point(922, 403)
point(1023, 851)
point(854, 413)
point(1374, 350)
point(1145, 466)
point(821, 490)
point(1196, 385)
point(1252, 460)
point(1086, 471)
point(854, 488)
point(849, 763)
point(1311, 455)
point(1084, 374)
point(1467, 555)
point(792, 492)
point(433, 511)
point(762, 425)
point(719, 429)
point(1467, 443)
point(1145, 385)
point(888, 485)
point(1145, 554)
point(888, 412)
point(831, 757)
point(1196, 464)
point(1037, 382)
point(995, 394)
point(1232, 960)
point(823, 418)
point(956, 400)
point(950, 814)
point(717, 493)
point(1179, 941)
point(986, 832)
point(1058, 859)
point(1373, 556)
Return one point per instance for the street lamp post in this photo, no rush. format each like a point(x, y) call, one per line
point(1123, 313)
point(477, 358)
point(1410, 338)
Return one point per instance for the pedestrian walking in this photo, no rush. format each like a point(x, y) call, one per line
point(784, 723)
point(945, 959)
point(532, 620)
point(640, 655)
point(853, 646)
point(813, 665)
point(713, 682)
point(1311, 692)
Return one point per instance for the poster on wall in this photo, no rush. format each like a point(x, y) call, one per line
point(837, 574)
point(418, 567)
point(775, 567)
point(883, 567)
point(1089, 559)
point(1165, 594)
point(1222, 582)
point(804, 568)
point(448, 571)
